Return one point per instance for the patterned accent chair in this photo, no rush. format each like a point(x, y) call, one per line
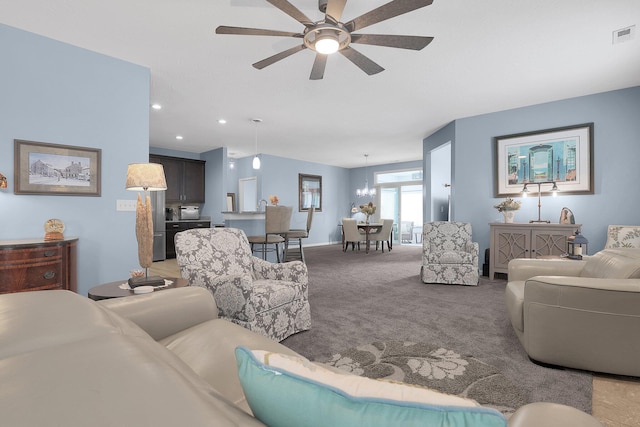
point(271, 299)
point(623, 236)
point(448, 254)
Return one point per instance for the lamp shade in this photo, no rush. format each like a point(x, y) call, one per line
point(145, 177)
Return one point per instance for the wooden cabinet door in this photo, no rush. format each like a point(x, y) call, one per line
point(510, 243)
point(173, 175)
point(545, 242)
point(193, 181)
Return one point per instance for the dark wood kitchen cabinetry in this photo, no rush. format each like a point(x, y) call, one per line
point(174, 227)
point(36, 264)
point(185, 178)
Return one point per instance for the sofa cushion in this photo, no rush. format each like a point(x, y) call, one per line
point(289, 391)
point(623, 263)
point(623, 236)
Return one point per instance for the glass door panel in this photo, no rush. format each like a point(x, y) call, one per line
point(389, 207)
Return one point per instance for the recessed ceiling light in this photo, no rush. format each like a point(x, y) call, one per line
point(222, 121)
point(178, 136)
point(156, 106)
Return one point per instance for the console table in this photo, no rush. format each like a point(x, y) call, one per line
point(526, 240)
point(38, 264)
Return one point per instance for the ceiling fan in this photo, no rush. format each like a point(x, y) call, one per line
point(331, 35)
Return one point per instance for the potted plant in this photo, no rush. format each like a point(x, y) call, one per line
point(508, 208)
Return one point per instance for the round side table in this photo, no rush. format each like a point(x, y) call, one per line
point(112, 289)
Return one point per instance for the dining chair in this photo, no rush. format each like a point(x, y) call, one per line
point(350, 234)
point(383, 235)
point(277, 221)
point(295, 236)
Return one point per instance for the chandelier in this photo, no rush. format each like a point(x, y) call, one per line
point(366, 191)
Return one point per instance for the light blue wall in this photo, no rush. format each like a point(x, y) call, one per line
point(616, 199)
point(279, 176)
point(56, 93)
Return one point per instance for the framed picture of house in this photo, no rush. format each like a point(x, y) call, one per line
point(309, 192)
point(561, 155)
point(53, 169)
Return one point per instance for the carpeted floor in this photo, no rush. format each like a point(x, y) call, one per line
point(359, 299)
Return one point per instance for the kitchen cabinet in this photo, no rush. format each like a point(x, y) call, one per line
point(185, 178)
point(526, 240)
point(38, 264)
point(174, 227)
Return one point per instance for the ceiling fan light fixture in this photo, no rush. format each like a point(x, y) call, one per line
point(327, 43)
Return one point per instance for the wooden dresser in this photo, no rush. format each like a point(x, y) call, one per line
point(525, 240)
point(36, 264)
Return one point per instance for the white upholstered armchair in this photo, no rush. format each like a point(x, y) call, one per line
point(448, 254)
point(271, 299)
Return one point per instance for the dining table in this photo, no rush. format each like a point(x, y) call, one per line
point(369, 228)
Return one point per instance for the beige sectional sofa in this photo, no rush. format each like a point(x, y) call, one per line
point(160, 359)
point(579, 314)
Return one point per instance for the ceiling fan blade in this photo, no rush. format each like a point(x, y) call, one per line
point(335, 9)
point(223, 29)
point(384, 12)
point(317, 72)
point(364, 63)
point(388, 40)
point(278, 56)
point(292, 11)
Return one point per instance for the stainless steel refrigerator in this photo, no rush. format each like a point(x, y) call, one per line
point(159, 227)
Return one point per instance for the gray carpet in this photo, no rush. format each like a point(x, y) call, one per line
point(358, 299)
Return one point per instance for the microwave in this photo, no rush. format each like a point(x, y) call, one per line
point(189, 212)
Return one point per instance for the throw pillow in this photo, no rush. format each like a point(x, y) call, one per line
point(285, 391)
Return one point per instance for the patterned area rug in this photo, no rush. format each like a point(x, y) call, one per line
point(434, 367)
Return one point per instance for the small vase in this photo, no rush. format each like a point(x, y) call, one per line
point(508, 216)
point(366, 219)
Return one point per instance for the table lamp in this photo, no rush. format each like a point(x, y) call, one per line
point(145, 177)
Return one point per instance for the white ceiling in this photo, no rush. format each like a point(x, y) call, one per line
point(487, 56)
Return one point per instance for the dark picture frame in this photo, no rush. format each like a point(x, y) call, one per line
point(56, 170)
point(563, 155)
point(309, 192)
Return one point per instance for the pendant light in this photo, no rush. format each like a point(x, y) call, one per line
point(256, 159)
point(366, 191)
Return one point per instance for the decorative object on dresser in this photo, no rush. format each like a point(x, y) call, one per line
point(563, 156)
point(577, 246)
point(37, 264)
point(145, 177)
point(566, 216)
point(54, 169)
point(525, 193)
point(508, 208)
point(521, 240)
point(3, 181)
point(53, 229)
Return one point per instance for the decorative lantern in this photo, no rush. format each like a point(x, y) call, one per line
point(577, 246)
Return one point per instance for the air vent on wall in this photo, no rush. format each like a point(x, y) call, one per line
point(624, 34)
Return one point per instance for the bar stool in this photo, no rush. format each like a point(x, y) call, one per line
point(297, 234)
point(277, 221)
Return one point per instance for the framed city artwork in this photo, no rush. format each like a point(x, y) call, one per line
point(309, 192)
point(561, 155)
point(53, 169)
